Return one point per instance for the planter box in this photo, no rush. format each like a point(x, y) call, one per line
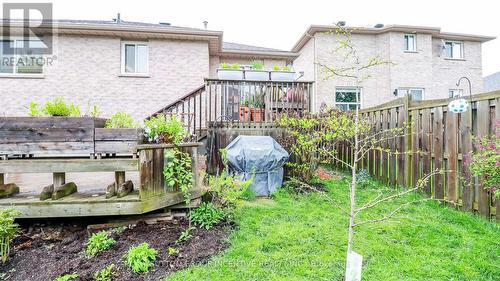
point(257, 114)
point(117, 141)
point(230, 74)
point(287, 76)
point(55, 136)
point(257, 75)
point(244, 113)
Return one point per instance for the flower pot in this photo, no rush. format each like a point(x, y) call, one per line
point(257, 114)
point(229, 74)
point(257, 75)
point(244, 113)
point(287, 76)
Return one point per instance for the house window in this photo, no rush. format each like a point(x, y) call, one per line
point(21, 59)
point(415, 93)
point(453, 93)
point(134, 58)
point(410, 43)
point(345, 98)
point(453, 50)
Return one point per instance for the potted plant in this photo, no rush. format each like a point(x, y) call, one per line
point(257, 72)
point(257, 108)
point(282, 74)
point(230, 72)
point(244, 111)
point(164, 129)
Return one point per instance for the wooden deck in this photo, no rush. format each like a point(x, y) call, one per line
point(91, 204)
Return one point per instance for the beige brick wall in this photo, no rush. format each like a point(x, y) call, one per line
point(87, 70)
point(426, 68)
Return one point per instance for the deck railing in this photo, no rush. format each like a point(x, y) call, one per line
point(239, 102)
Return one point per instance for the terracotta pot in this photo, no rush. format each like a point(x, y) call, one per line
point(257, 114)
point(244, 113)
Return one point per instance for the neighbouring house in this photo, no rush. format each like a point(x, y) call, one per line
point(491, 82)
point(124, 66)
point(426, 63)
point(140, 67)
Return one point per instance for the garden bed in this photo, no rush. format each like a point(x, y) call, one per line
point(44, 253)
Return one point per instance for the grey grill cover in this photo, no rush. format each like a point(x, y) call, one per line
point(262, 153)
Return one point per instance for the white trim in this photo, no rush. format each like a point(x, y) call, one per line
point(122, 59)
point(408, 89)
point(348, 88)
point(414, 42)
point(15, 73)
point(453, 42)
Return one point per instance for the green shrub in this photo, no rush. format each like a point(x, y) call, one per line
point(106, 274)
point(164, 129)
point(185, 235)
point(172, 251)
point(59, 107)
point(178, 172)
point(235, 66)
point(34, 111)
point(140, 258)
point(225, 65)
point(276, 67)
point(226, 189)
point(8, 230)
point(364, 179)
point(485, 162)
point(121, 120)
point(206, 215)
point(92, 111)
point(257, 65)
point(98, 242)
point(67, 277)
point(286, 68)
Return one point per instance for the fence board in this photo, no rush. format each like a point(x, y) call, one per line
point(452, 151)
point(437, 133)
point(483, 113)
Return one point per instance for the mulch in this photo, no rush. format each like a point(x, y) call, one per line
point(48, 251)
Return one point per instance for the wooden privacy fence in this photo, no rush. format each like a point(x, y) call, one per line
point(437, 139)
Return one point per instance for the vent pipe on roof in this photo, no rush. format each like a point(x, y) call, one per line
point(205, 24)
point(118, 19)
point(341, 23)
point(379, 25)
point(164, 23)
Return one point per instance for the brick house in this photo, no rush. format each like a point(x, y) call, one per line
point(140, 67)
point(425, 63)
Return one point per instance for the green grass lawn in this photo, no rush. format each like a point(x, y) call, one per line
point(303, 237)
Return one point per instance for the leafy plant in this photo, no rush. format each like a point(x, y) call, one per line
point(67, 277)
point(178, 172)
point(140, 258)
point(59, 107)
point(172, 251)
point(164, 129)
point(235, 66)
point(185, 235)
point(257, 65)
point(485, 161)
point(108, 273)
point(257, 101)
point(92, 111)
point(226, 189)
point(8, 230)
point(121, 120)
point(287, 68)
point(276, 67)
point(34, 111)
point(364, 179)
point(206, 215)
point(98, 242)
point(225, 65)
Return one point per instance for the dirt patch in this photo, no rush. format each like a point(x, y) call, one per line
point(45, 252)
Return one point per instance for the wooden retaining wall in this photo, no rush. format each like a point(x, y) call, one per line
point(437, 139)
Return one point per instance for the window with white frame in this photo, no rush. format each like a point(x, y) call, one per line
point(134, 57)
point(454, 49)
point(410, 42)
point(16, 57)
point(415, 93)
point(345, 98)
point(453, 93)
